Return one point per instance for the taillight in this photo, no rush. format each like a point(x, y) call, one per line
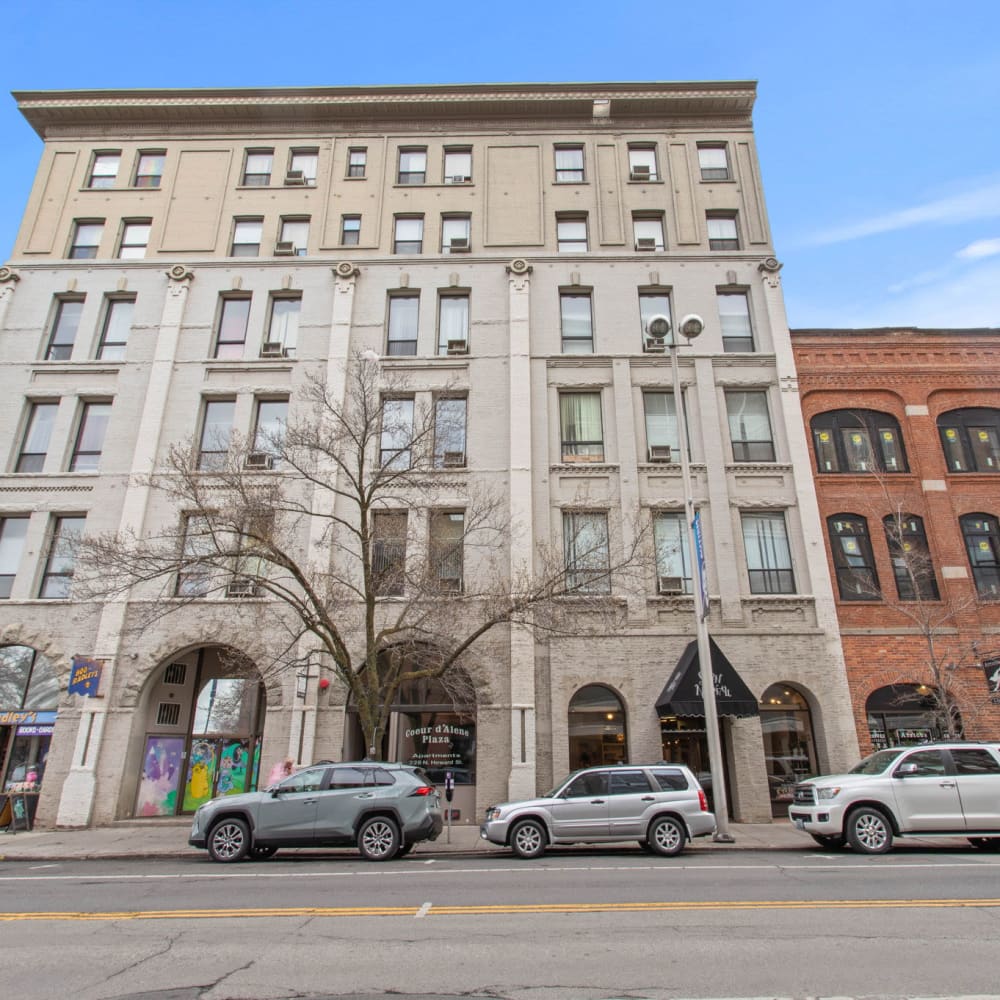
point(423, 790)
point(703, 800)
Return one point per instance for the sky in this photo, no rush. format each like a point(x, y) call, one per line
point(877, 123)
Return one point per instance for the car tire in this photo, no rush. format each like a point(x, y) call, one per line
point(229, 840)
point(378, 839)
point(528, 839)
point(831, 841)
point(985, 843)
point(869, 831)
point(667, 836)
point(261, 853)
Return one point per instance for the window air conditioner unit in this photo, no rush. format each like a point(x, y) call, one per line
point(659, 452)
point(284, 249)
point(458, 346)
point(645, 243)
point(272, 349)
point(457, 179)
point(582, 458)
point(639, 173)
point(450, 584)
point(654, 345)
point(241, 587)
point(669, 585)
point(459, 244)
point(295, 178)
point(260, 460)
point(453, 459)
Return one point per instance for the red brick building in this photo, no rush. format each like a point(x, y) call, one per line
point(904, 428)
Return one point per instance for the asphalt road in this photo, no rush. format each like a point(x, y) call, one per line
point(580, 925)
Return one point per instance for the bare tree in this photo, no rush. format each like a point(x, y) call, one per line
point(341, 517)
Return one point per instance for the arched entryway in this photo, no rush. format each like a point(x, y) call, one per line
point(597, 730)
point(789, 745)
point(202, 732)
point(903, 715)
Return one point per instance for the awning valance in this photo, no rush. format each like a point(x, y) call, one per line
point(682, 694)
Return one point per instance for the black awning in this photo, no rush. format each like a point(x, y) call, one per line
point(682, 694)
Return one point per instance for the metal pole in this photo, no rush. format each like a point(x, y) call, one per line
point(719, 802)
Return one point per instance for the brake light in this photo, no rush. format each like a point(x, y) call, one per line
point(703, 800)
point(423, 790)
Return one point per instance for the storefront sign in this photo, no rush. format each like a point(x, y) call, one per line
point(991, 668)
point(27, 718)
point(85, 677)
point(35, 730)
point(441, 747)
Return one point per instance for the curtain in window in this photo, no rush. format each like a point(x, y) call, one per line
point(580, 413)
point(454, 323)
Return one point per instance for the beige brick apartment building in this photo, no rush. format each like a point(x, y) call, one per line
point(188, 258)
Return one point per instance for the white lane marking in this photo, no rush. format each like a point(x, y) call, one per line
point(36, 868)
point(422, 912)
point(430, 861)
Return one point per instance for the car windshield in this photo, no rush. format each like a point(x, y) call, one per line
point(877, 762)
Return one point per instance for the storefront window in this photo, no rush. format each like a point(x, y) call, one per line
point(596, 728)
point(789, 750)
point(902, 715)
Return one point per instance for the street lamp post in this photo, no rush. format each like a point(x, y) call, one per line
point(658, 333)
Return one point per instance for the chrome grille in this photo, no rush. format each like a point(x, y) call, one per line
point(805, 795)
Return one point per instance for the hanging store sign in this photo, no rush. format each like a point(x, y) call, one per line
point(991, 668)
point(85, 677)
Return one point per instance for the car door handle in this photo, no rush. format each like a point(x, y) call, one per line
point(310, 802)
point(365, 795)
point(597, 802)
point(649, 798)
point(947, 784)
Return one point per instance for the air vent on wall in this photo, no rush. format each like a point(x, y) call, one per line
point(176, 673)
point(168, 713)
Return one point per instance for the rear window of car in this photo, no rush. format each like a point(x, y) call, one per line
point(970, 760)
point(627, 782)
point(379, 776)
point(670, 779)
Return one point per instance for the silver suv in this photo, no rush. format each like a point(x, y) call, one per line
point(947, 789)
point(660, 805)
point(384, 809)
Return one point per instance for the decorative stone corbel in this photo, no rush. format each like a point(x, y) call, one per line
point(769, 268)
point(345, 269)
point(9, 274)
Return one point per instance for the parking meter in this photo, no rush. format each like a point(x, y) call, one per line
point(449, 786)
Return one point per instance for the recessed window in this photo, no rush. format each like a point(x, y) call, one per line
point(648, 232)
point(911, 558)
point(302, 166)
point(457, 166)
point(65, 324)
point(569, 164)
point(408, 234)
point(257, 167)
point(673, 558)
point(734, 319)
point(90, 437)
point(412, 166)
point(852, 558)
point(86, 240)
point(149, 169)
point(571, 233)
point(293, 238)
point(449, 432)
point(357, 161)
point(586, 552)
point(104, 170)
point(453, 324)
point(402, 327)
point(247, 235)
point(283, 326)
point(397, 434)
point(269, 432)
point(13, 531)
point(769, 558)
point(455, 234)
point(58, 576)
point(216, 432)
point(982, 543)
point(576, 322)
point(234, 315)
point(642, 163)
point(135, 239)
point(116, 329)
point(971, 440)
point(662, 440)
point(713, 162)
point(388, 553)
point(722, 233)
point(37, 437)
point(447, 534)
point(581, 426)
point(857, 441)
point(194, 579)
point(749, 426)
point(350, 230)
point(653, 304)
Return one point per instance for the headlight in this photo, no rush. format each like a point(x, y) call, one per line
point(492, 813)
point(827, 793)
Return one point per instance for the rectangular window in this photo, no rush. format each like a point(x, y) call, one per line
point(350, 230)
point(455, 234)
point(216, 431)
point(569, 164)
point(13, 531)
point(654, 304)
point(65, 324)
point(247, 234)
point(408, 234)
point(582, 429)
point(293, 239)
point(149, 169)
point(397, 434)
point(648, 232)
point(58, 575)
point(388, 557)
point(642, 163)
point(104, 170)
point(37, 436)
point(116, 329)
point(449, 432)
point(257, 167)
point(576, 323)
point(234, 315)
point(457, 166)
point(587, 555)
point(769, 559)
point(713, 163)
point(722, 233)
point(673, 556)
point(194, 578)
point(447, 532)
point(662, 440)
point(749, 426)
point(404, 311)
point(453, 324)
point(135, 238)
point(911, 558)
point(357, 161)
point(302, 166)
point(571, 234)
point(268, 433)
point(86, 240)
point(283, 327)
point(90, 437)
point(734, 318)
point(412, 166)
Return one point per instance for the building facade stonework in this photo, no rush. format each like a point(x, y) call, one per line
point(190, 259)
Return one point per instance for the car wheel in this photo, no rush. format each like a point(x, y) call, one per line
point(986, 843)
point(869, 831)
point(378, 839)
point(528, 839)
point(262, 853)
point(667, 836)
point(229, 840)
point(832, 842)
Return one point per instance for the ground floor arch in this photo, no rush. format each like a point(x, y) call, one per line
point(597, 727)
point(903, 715)
point(789, 742)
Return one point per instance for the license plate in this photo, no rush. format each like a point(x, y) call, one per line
point(800, 824)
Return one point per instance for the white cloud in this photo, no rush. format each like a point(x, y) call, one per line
point(968, 299)
point(979, 249)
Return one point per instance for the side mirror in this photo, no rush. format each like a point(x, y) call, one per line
point(906, 770)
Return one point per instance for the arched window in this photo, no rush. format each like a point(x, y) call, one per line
point(28, 684)
point(911, 558)
point(852, 558)
point(789, 749)
point(901, 715)
point(971, 439)
point(858, 441)
point(982, 543)
point(596, 728)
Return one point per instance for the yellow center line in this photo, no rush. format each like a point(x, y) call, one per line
point(501, 908)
